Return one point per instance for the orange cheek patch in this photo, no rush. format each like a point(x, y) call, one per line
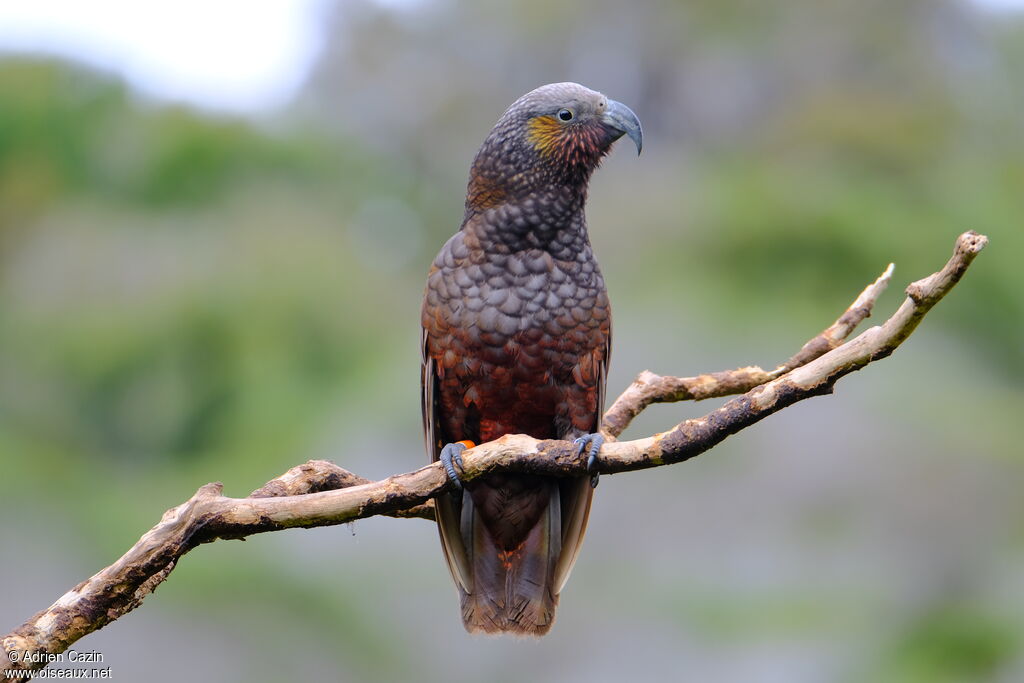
point(571, 145)
point(545, 134)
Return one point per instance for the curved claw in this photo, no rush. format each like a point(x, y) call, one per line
point(451, 455)
point(591, 443)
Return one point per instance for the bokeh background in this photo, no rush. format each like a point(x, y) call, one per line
point(215, 224)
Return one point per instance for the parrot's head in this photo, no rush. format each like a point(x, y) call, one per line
point(556, 134)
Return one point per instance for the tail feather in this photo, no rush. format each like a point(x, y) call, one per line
point(577, 494)
point(513, 590)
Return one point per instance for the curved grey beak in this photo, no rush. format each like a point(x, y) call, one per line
point(621, 119)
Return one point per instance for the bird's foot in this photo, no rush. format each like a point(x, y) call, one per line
point(451, 455)
point(590, 444)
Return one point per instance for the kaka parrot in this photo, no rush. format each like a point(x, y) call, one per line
point(516, 339)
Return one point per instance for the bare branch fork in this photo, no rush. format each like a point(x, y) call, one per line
point(320, 493)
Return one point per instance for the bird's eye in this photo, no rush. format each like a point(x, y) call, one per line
point(565, 114)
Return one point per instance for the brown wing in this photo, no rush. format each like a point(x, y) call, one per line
point(579, 494)
point(448, 510)
point(576, 494)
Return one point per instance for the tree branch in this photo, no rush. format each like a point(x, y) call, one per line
point(319, 493)
point(650, 388)
point(320, 475)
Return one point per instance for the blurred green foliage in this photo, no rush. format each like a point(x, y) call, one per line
point(951, 643)
point(68, 132)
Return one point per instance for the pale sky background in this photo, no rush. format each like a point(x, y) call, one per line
point(234, 55)
point(229, 55)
